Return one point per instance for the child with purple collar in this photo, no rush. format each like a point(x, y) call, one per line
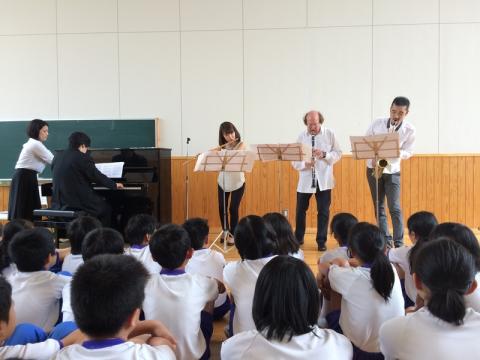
point(107, 294)
point(364, 296)
point(182, 301)
point(138, 232)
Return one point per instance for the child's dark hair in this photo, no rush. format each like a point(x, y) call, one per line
point(198, 230)
point(9, 231)
point(341, 225)
point(461, 234)
point(169, 246)
point(29, 249)
point(78, 229)
point(286, 241)
point(254, 239)
point(447, 269)
point(102, 241)
point(285, 308)
point(367, 242)
point(421, 223)
point(139, 226)
point(106, 290)
point(5, 299)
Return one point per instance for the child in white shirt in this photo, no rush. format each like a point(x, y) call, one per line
point(444, 274)
point(107, 294)
point(76, 232)
point(285, 315)
point(97, 242)
point(255, 242)
point(182, 301)
point(24, 341)
point(370, 293)
point(205, 261)
point(36, 291)
point(340, 227)
point(419, 225)
point(138, 232)
point(287, 243)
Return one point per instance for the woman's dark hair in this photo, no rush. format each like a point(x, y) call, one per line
point(254, 239)
point(461, 234)
point(9, 230)
point(227, 128)
point(367, 243)
point(77, 139)
point(34, 127)
point(421, 223)
point(286, 300)
point(286, 241)
point(447, 269)
point(341, 225)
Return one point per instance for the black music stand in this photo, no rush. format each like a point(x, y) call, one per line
point(229, 161)
point(375, 147)
point(281, 152)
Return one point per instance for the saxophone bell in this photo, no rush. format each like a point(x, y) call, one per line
point(379, 167)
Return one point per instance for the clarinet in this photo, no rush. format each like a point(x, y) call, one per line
point(314, 180)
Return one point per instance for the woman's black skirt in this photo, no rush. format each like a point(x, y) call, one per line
point(24, 196)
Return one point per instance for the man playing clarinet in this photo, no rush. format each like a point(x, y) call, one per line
point(316, 175)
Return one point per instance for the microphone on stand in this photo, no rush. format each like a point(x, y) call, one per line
point(188, 140)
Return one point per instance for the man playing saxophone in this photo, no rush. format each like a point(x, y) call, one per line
point(389, 178)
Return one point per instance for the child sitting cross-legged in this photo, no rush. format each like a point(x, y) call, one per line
point(182, 301)
point(107, 294)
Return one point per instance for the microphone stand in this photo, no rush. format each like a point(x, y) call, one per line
point(187, 182)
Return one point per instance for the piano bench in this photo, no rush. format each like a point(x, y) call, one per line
point(54, 219)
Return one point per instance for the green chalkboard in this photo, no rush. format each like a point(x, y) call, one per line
point(103, 133)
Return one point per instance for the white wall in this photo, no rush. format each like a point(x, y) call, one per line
point(258, 63)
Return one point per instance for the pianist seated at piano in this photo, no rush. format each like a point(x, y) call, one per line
point(73, 176)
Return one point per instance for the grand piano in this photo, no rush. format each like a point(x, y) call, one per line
point(146, 178)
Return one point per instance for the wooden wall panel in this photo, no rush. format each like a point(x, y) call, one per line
point(448, 185)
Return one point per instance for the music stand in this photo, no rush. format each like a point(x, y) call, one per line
point(281, 152)
point(229, 161)
point(375, 147)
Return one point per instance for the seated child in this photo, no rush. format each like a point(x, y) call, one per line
point(7, 267)
point(36, 291)
point(255, 242)
point(138, 233)
point(285, 315)
point(370, 293)
point(35, 344)
point(419, 225)
point(107, 294)
point(205, 261)
point(464, 236)
point(287, 243)
point(340, 227)
point(77, 230)
point(98, 241)
point(177, 298)
point(444, 274)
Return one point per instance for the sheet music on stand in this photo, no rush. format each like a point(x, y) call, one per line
point(228, 161)
point(380, 146)
point(282, 152)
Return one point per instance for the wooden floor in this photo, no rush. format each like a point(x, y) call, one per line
point(311, 258)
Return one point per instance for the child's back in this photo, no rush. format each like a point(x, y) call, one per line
point(36, 292)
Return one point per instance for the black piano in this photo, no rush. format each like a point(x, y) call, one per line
point(147, 184)
point(146, 178)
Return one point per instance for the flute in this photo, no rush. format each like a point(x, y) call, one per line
point(227, 144)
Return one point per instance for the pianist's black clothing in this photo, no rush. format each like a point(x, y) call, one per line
point(73, 174)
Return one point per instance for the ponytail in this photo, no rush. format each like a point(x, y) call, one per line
point(368, 243)
point(447, 269)
point(382, 275)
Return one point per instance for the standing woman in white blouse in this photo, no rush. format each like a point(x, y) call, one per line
point(232, 183)
point(24, 195)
